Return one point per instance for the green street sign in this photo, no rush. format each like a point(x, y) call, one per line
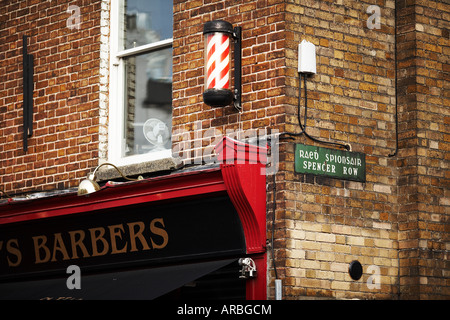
point(330, 162)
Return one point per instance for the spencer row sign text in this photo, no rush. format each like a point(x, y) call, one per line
point(330, 162)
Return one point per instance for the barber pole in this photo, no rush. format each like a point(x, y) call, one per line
point(218, 35)
point(218, 61)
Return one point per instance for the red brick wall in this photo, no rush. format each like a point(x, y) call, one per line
point(424, 100)
point(263, 82)
point(66, 79)
point(397, 221)
point(324, 223)
point(327, 223)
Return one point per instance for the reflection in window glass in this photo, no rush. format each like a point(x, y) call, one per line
point(148, 102)
point(147, 21)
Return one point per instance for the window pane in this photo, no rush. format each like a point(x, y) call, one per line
point(148, 102)
point(147, 21)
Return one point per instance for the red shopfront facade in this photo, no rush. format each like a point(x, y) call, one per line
point(179, 235)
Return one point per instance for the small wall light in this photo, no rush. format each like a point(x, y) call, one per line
point(89, 185)
point(4, 192)
point(218, 35)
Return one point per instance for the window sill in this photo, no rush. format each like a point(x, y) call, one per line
point(143, 168)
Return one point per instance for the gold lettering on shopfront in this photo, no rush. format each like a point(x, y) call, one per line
point(14, 250)
point(92, 242)
point(78, 243)
point(160, 232)
point(58, 246)
point(134, 235)
point(96, 237)
point(114, 232)
point(39, 243)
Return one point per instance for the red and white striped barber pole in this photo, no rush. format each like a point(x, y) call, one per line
point(218, 35)
point(218, 61)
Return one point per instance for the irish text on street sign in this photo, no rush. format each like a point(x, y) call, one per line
point(330, 162)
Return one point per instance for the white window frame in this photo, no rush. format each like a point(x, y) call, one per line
point(116, 142)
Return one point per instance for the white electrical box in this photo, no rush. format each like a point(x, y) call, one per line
point(278, 289)
point(306, 57)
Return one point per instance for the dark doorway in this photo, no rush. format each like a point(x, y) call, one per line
point(221, 284)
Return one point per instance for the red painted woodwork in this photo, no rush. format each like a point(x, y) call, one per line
point(240, 175)
point(243, 171)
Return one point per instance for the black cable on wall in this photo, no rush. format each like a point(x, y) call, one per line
point(303, 127)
